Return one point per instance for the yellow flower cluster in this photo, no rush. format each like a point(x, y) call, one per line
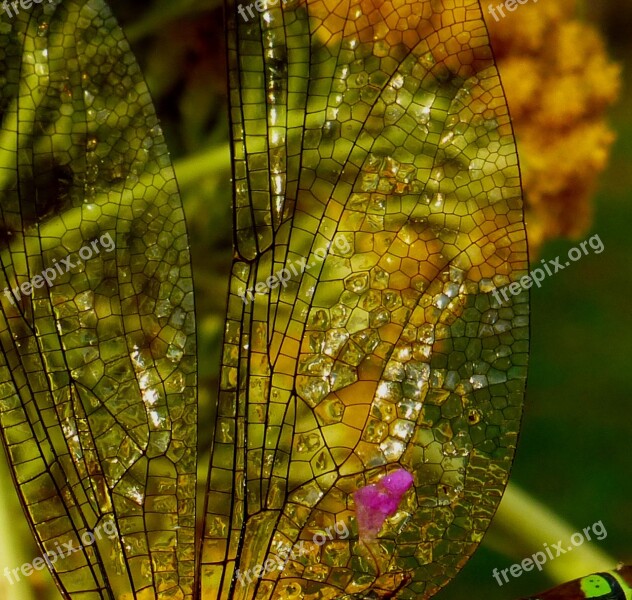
point(558, 79)
point(559, 83)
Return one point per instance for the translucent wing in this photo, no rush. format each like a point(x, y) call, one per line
point(97, 371)
point(377, 207)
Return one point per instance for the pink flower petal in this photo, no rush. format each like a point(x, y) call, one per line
point(398, 482)
point(375, 502)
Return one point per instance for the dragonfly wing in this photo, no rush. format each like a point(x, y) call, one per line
point(98, 369)
point(377, 209)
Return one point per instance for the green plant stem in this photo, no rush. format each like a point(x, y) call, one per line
point(523, 525)
point(190, 169)
point(12, 550)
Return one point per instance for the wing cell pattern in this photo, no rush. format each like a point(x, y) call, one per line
point(377, 207)
point(98, 363)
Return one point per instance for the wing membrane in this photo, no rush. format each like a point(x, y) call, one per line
point(97, 374)
point(376, 136)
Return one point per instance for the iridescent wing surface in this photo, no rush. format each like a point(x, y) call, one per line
point(97, 370)
point(377, 207)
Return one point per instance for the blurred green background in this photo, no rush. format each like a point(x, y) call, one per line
point(574, 452)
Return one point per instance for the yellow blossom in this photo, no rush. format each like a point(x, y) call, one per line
point(559, 83)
